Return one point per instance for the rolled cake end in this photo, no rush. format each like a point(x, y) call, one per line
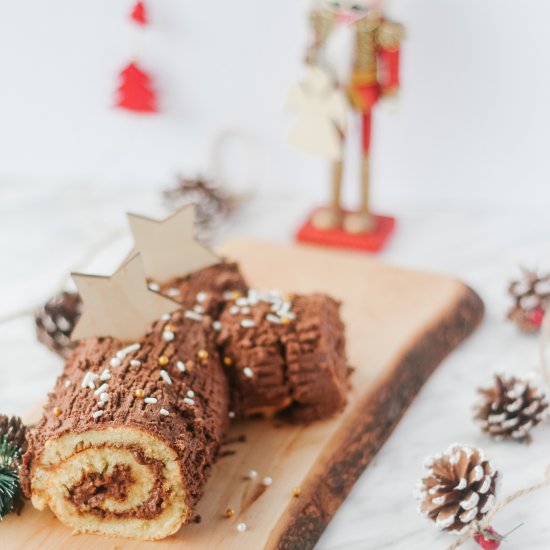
point(121, 482)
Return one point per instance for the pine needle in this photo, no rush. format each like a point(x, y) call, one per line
point(9, 476)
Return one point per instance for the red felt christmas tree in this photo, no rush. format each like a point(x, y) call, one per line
point(135, 92)
point(139, 15)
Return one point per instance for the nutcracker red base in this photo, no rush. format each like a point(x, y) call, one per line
point(372, 241)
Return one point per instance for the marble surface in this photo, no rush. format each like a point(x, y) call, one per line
point(46, 232)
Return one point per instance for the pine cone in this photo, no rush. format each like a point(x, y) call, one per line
point(55, 322)
point(15, 432)
point(531, 295)
point(212, 204)
point(511, 408)
point(460, 488)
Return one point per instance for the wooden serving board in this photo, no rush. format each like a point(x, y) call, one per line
point(400, 325)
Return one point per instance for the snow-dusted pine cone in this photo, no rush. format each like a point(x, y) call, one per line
point(15, 432)
point(531, 295)
point(55, 322)
point(459, 488)
point(212, 203)
point(511, 408)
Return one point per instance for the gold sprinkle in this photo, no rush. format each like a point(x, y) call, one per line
point(227, 361)
point(288, 297)
point(140, 394)
point(296, 491)
point(229, 512)
point(235, 295)
point(285, 321)
point(163, 360)
point(202, 354)
point(57, 411)
point(169, 327)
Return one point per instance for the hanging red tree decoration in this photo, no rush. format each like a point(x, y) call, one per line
point(135, 92)
point(139, 14)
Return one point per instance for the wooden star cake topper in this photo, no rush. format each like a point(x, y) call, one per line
point(168, 247)
point(120, 306)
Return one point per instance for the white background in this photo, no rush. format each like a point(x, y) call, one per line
point(472, 124)
point(463, 163)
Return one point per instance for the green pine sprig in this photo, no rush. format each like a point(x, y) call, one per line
point(10, 489)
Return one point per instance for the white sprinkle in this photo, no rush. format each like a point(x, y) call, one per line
point(105, 375)
point(252, 474)
point(198, 309)
point(121, 354)
point(248, 323)
point(154, 286)
point(245, 310)
point(190, 393)
point(164, 412)
point(101, 389)
point(202, 296)
point(115, 362)
point(188, 401)
point(285, 307)
point(104, 397)
point(241, 527)
point(227, 295)
point(192, 315)
point(172, 292)
point(248, 372)
point(135, 363)
point(253, 297)
point(168, 336)
point(273, 318)
point(232, 414)
point(89, 379)
point(166, 317)
point(150, 400)
point(234, 310)
point(267, 481)
point(166, 377)
point(97, 414)
point(180, 365)
point(67, 383)
point(216, 325)
point(242, 301)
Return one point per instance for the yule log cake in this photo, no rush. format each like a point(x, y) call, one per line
point(284, 353)
point(134, 424)
point(131, 431)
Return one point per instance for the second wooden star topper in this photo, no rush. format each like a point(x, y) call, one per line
point(168, 247)
point(120, 306)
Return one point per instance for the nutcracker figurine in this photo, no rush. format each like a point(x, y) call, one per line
point(353, 61)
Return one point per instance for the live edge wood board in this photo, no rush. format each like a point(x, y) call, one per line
point(400, 325)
